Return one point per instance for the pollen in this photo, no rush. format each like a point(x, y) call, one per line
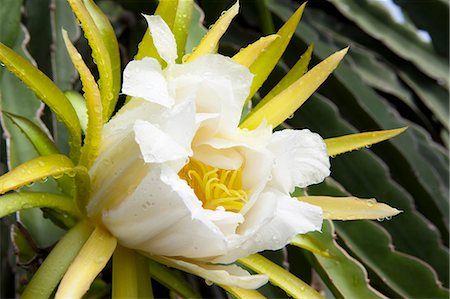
point(215, 187)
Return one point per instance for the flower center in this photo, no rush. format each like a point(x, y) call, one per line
point(215, 187)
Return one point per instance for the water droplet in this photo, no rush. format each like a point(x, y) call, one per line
point(2, 64)
point(291, 116)
point(44, 179)
point(100, 259)
point(370, 202)
point(223, 12)
point(367, 146)
point(58, 175)
point(26, 206)
point(388, 218)
point(380, 219)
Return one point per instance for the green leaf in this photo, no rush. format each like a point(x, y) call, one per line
point(57, 262)
point(109, 39)
point(15, 97)
point(377, 22)
point(278, 276)
point(343, 275)
point(434, 96)
point(172, 279)
point(64, 73)
point(47, 91)
point(431, 16)
point(13, 202)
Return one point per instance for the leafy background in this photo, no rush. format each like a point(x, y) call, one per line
point(391, 78)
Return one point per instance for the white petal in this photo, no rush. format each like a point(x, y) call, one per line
point(226, 221)
point(144, 79)
point(301, 159)
point(157, 146)
point(221, 86)
point(162, 216)
point(230, 275)
point(121, 125)
point(113, 173)
point(180, 123)
point(163, 38)
point(291, 217)
point(229, 158)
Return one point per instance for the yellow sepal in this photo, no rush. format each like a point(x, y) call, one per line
point(210, 41)
point(89, 262)
point(249, 54)
point(243, 293)
point(39, 168)
point(350, 208)
point(310, 244)
point(280, 107)
point(280, 277)
point(347, 143)
point(265, 62)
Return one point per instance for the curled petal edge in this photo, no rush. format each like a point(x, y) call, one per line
point(230, 275)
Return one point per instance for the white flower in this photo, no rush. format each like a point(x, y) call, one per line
point(177, 179)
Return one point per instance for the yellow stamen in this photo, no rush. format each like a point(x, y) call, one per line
point(215, 187)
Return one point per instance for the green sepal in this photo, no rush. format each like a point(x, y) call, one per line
point(112, 46)
point(48, 92)
point(16, 201)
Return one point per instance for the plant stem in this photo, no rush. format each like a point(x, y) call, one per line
point(124, 277)
point(57, 262)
